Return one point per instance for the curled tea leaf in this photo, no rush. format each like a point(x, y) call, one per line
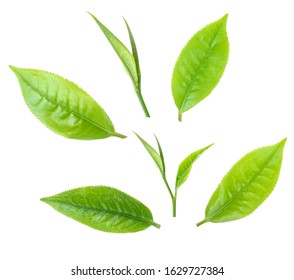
point(157, 157)
point(103, 208)
point(62, 106)
point(129, 60)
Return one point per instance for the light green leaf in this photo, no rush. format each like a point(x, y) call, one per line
point(134, 52)
point(130, 61)
point(161, 155)
point(62, 106)
point(200, 65)
point(249, 182)
point(103, 208)
point(159, 161)
point(121, 50)
point(154, 154)
point(186, 166)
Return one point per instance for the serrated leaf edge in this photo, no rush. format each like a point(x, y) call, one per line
point(278, 145)
point(72, 84)
point(138, 218)
point(224, 17)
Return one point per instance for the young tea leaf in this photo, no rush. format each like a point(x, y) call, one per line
point(161, 155)
point(103, 208)
point(62, 106)
point(130, 61)
point(186, 166)
point(121, 50)
point(159, 161)
point(134, 52)
point(154, 154)
point(249, 182)
point(200, 65)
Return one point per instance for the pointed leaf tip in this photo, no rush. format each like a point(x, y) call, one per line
point(283, 142)
point(225, 17)
point(14, 69)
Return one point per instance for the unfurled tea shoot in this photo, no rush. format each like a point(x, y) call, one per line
point(63, 107)
point(245, 187)
point(183, 170)
point(128, 59)
point(200, 65)
point(103, 208)
point(68, 110)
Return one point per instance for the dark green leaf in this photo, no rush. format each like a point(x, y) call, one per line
point(103, 208)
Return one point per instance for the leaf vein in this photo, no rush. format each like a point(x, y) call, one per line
point(66, 108)
point(243, 188)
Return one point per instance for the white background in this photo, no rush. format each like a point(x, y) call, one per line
point(252, 106)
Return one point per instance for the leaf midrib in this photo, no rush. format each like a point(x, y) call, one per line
point(243, 188)
point(201, 67)
point(66, 108)
point(149, 222)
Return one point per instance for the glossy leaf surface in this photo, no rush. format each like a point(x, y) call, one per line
point(103, 208)
point(154, 154)
point(186, 166)
point(62, 106)
point(249, 182)
point(200, 65)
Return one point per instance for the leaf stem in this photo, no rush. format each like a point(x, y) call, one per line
point(202, 222)
point(116, 134)
point(168, 188)
point(173, 197)
point(155, 224)
point(174, 207)
point(180, 116)
point(141, 100)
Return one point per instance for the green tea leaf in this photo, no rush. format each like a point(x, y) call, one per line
point(62, 106)
point(134, 52)
point(121, 50)
point(130, 61)
point(249, 182)
point(154, 154)
point(200, 65)
point(161, 155)
point(103, 208)
point(186, 166)
point(159, 161)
